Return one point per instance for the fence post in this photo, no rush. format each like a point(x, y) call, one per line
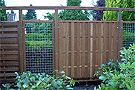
point(55, 46)
point(119, 40)
point(21, 32)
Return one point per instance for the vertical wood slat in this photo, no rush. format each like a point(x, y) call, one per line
point(94, 47)
point(72, 49)
point(91, 49)
point(115, 33)
point(106, 42)
point(86, 45)
point(111, 30)
point(83, 50)
point(67, 45)
point(64, 47)
point(102, 42)
point(78, 50)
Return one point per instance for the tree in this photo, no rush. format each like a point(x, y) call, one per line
point(98, 14)
point(3, 16)
point(112, 15)
point(71, 14)
point(31, 14)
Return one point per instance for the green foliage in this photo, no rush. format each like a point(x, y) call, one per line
point(7, 86)
point(128, 36)
point(38, 35)
point(38, 44)
point(119, 75)
point(45, 28)
point(112, 15)
point(128, 55)
point(38, 40)
point(38, 28)
point(31, 14)
point(71, 14)
point(30, 81)
point(73, 2)
point(104, 87)
point(3, 16)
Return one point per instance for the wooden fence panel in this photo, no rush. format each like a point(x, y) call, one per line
point(82, 46)
point(10, 46)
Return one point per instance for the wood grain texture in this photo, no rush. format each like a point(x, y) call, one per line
point(11, 45)
point(83, 46)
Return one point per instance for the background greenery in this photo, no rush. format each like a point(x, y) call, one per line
point(3, 16)
point(113, 15)
point(70, 14)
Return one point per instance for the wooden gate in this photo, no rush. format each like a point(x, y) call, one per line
point(81, 46)
point(12, 50)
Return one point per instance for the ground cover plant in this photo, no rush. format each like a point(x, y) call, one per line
point(121, 74)
point(42, 81)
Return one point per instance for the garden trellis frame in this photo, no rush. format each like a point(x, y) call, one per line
point(56, 27)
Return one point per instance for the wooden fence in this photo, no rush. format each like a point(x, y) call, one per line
point(12, 58)
point(81, 46)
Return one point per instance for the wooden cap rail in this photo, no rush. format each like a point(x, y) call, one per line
point(65, 8)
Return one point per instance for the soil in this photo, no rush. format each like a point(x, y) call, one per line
point(84, 87)
point(87, 85)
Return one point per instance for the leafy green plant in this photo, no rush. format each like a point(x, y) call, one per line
point(128, 36)
point(38, 37)
point(119, 75)
point(7, 86)
point(38, 44)
point(30, 81)
point(38, 40)
point(128, 55)
point(113, 15)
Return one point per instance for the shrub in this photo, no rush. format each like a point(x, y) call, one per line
point(38, 37)
point(38, 44)
point(119, 75)
point(41, 81)
point(38, 41)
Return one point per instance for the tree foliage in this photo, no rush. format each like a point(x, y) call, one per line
point(3, 16)
point(71, 14)
point(31, 14)
point(112, 15)
point(98, 15)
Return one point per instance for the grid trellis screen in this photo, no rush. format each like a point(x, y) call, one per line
point(128, 33)
point(38, 40)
